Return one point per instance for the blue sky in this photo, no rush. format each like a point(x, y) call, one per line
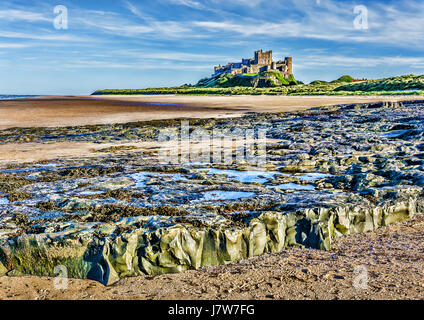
point(157, 43)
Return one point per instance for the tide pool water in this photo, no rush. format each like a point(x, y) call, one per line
point(245, 176)
point(293, 186)
point(141, 178)
point(313, 176)
point(4, 201)
point(225, 195)
point(14, 96)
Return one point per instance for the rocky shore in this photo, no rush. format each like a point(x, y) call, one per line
point(330, 172)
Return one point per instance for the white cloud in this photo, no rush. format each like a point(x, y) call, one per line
point(13, 45)
point(400, 26)
point(47, 37)
point(172, 55)
point(239, 3)
point(118, 25)
point(188, 3)
point(94, 64)
point(244, 29)
point(321, 61)
point(20, 15)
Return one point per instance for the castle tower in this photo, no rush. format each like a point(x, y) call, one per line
point(267, 57)
point(289, 63)
point(258, 55)
point(263, 57)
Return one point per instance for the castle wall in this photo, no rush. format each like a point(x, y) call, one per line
point(260, 63)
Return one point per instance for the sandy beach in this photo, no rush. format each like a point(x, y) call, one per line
point(63, 111)
point(391, 255)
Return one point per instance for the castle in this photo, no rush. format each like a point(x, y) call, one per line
point(262, 62)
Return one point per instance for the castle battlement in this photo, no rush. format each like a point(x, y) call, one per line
point(261, 62)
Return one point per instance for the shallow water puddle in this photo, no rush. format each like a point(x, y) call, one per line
point(394, 134)
point(313, 176)
point(178, 177)
point(47, 165)
point(245, 176)
point(142, 177)
point(262, 176)
point(49, 215)
point(38, 167)
point(293, 186)
point(225, 195)
point(89, 192)
point(4, 201)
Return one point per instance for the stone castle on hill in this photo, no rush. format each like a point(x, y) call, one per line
point(262, 62)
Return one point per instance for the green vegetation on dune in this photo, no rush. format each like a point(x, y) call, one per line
point(228, 80)
point(345, 78)
point(279, 77)
point(318, 82)
point(342, 80)
point(250, 84)
point(402, 83)
point(292, 80)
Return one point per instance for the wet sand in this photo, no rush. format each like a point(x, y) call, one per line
point(18, 153)
point(61, 111)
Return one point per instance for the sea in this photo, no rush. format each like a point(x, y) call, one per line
point(14, 96)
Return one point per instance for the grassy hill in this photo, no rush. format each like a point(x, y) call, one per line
point(254, 80)
point(408, 82)
point(227, 80)
point(227, 84)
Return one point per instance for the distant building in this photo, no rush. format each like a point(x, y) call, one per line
point(262, 62)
